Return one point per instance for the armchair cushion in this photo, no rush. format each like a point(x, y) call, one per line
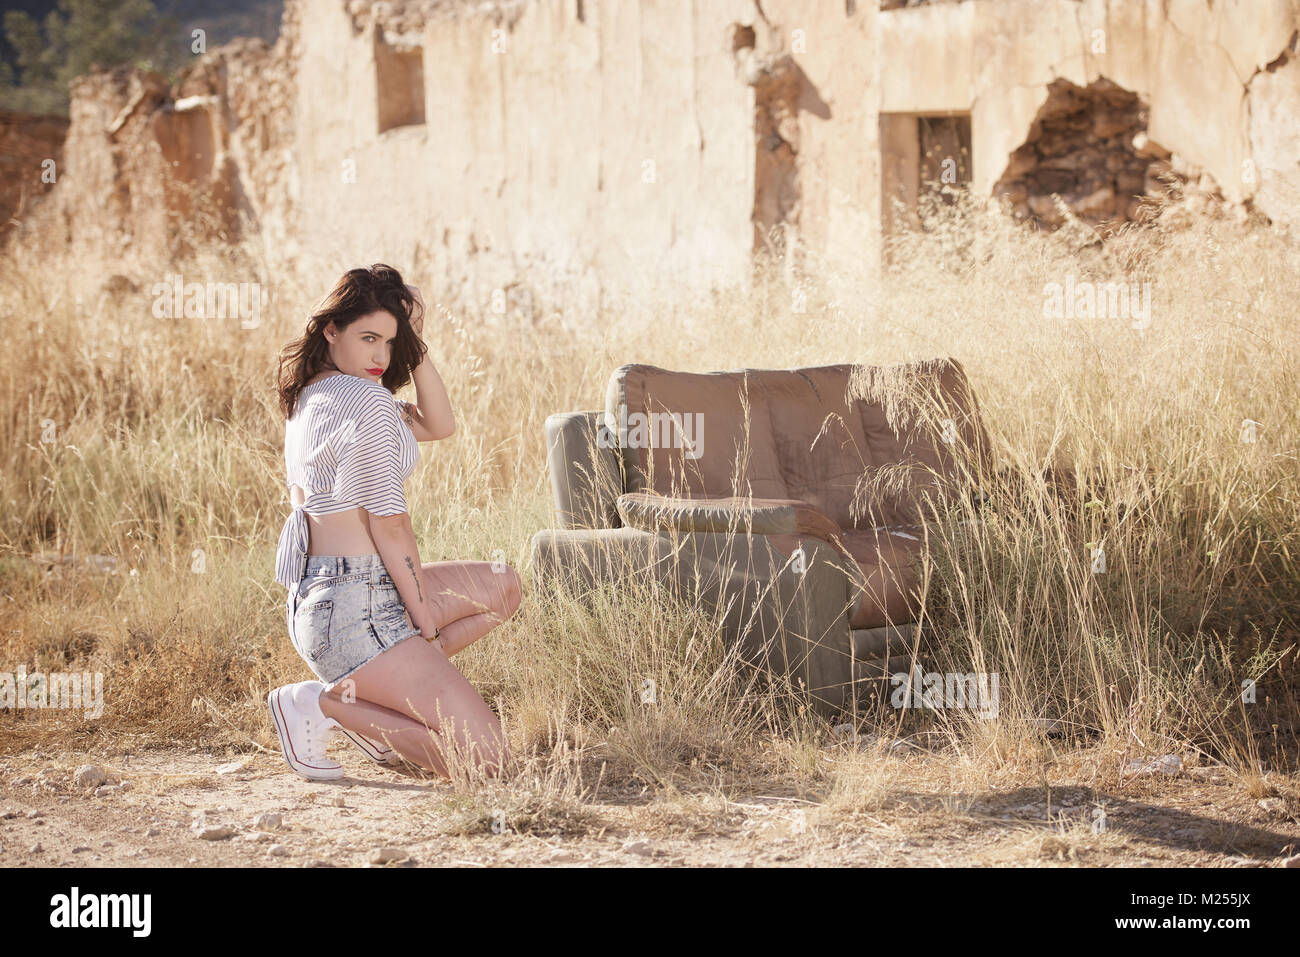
point(883, 558)
point(758, 516)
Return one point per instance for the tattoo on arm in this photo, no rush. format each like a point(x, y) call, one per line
point(411, 567)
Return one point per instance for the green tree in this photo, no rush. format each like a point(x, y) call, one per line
point(75, 38)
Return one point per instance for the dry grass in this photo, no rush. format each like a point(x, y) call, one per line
point(156, 441)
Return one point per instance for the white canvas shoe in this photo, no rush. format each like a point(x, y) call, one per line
point(374, 750)
point(304, 730)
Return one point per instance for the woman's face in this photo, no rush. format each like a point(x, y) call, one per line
point(364, 348)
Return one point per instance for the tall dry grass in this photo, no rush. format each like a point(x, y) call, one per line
point(157, 442)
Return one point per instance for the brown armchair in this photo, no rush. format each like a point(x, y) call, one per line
point(790, 499)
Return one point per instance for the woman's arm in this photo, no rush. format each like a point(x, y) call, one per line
point(395, 540)
point(431, 417)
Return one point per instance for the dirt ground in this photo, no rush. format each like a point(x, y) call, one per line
point(1191, 819)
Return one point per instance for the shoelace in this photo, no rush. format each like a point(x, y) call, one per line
point(316, 742)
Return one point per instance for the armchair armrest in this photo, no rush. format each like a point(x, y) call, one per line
point(585, 473)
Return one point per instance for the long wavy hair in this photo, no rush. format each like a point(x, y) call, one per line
point(358, 292)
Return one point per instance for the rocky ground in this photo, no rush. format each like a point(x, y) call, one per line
point(178, 808)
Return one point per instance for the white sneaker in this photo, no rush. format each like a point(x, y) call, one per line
point(304, 730)
point(374, 750)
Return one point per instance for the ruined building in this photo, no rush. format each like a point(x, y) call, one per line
point(558, 146)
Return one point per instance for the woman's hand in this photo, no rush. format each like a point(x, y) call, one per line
point(430, 636)
point(417, 315)
point(435, 639)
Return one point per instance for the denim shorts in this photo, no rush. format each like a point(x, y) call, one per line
point(346, 612)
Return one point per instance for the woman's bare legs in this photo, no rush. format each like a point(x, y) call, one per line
point(404, 696)
point(415, 679)
point(410, 738)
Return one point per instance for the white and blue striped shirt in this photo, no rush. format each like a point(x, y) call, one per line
point(346, 446)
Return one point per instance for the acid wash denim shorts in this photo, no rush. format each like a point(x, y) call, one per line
point(346, 612)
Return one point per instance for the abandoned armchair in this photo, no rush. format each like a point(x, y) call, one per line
point(808, 554)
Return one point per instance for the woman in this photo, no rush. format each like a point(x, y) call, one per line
point(347, 553)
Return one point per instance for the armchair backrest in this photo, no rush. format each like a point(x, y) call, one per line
point(861, 444)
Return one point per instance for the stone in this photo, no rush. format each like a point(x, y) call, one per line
point(1107, 123)
point(1045, 209)
point(1022, 161)
point(1014, 191)
point(1127, 182)
point(89, 776)
point(1148, 148)
point(385, 855)
point(1170, 764)
point(213, 832)
point(1273, 806)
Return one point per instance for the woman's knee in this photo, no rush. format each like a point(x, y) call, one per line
point(478, 737)
point(490, 749)
point(506, 593)
point(512, 592)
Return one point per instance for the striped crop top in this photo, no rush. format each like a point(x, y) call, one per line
point(346, 446)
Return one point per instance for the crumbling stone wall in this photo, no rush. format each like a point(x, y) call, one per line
point(903, 4)
point(570, 147)
point(1088, 150)
point(1274, 133)
point(108, 202)
point(27, 141)
point(776, 151)
point(153, 169)
point(1080, 148)
point(245, 95)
